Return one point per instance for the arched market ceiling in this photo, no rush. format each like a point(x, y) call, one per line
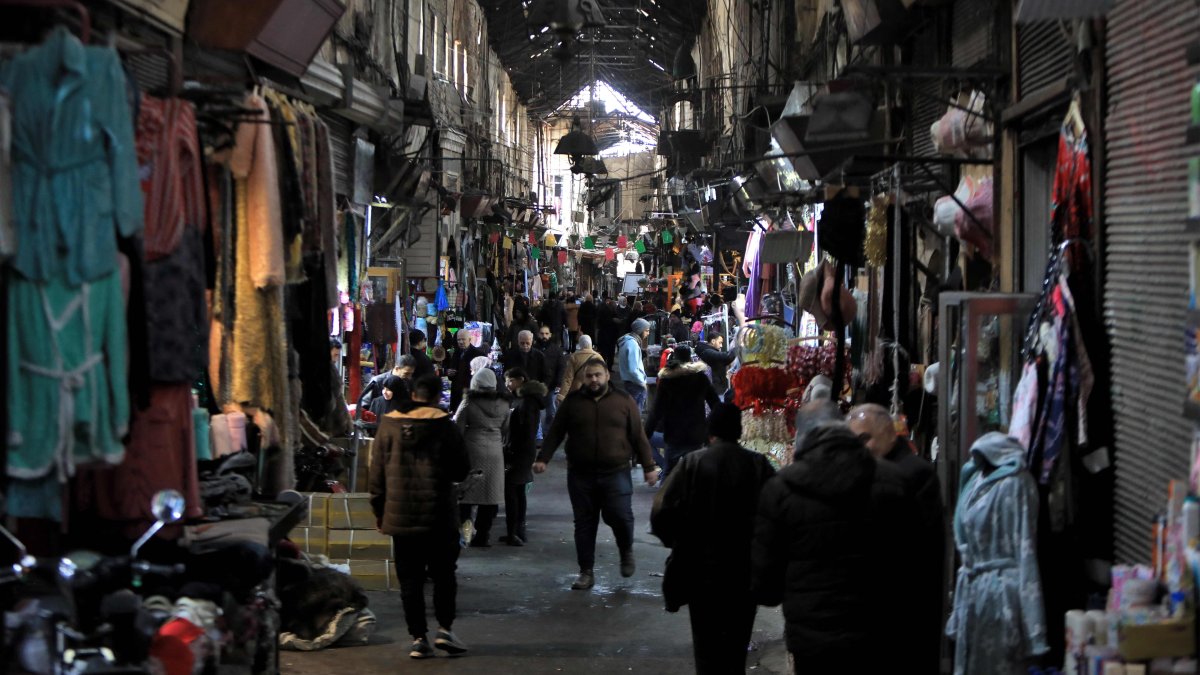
point(634, 51)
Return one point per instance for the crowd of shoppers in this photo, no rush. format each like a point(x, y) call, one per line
point(827, 537)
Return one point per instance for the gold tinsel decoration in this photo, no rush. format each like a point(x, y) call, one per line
point(875, 242)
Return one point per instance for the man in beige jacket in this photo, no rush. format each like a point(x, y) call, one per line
point(581, 356)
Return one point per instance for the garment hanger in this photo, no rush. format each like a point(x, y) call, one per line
point(1075, 115)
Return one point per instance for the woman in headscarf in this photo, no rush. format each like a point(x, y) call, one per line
point(482, 417)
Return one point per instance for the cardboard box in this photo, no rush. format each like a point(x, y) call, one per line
point(373, 575)
point(311, 540)
point(1171, 638)
point(318, 509)
point(350, 511)
point(359, 545)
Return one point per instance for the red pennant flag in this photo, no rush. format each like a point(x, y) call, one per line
point(609, 255)
point(532, 237)
point(622, 241)
point(562, 257)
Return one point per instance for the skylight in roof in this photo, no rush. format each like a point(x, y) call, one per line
point(613, 101)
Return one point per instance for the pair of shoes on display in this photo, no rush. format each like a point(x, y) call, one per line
point(584, 581)
point(446, 641)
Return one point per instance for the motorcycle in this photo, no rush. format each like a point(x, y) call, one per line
point(317, 468)
point(83, 613)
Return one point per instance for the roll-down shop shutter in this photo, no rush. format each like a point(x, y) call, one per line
point(1044, 56)
point(974, 32)
point(1145, 294)
point(341, 139)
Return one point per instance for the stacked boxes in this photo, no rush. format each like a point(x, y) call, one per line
point(342, 527)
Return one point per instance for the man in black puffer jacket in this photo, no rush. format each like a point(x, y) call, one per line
point(683, 389)
point(832, 542)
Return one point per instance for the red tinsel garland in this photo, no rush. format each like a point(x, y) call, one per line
point(752, 384)
point(806, 362)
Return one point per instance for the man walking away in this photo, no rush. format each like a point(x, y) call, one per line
point(571, 312)
point(683, 389)
point(603, 429)
point(631, 367)
point(587, 317)
point(922, 487)
point(520, 450)
point(572, 380)
point(608, 328)
point(417, 457)
point(705, 514)
point(827, 525)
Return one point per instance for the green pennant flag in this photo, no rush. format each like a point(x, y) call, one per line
point(668, 237)
point(589, 242)
point(640, 246)
point(535, 253)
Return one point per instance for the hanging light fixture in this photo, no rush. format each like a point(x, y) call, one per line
point(566, 18)
point(684, 66)
point(576, 144)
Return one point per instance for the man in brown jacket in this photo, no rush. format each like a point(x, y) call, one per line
point(417, 457)
point(603, 429)
point(582, 355)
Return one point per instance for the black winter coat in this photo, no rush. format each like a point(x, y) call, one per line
point(719, 362)
point(416, 458)
point(424, 365)
point(555, 361)
point(587, 319)
point(678, 406)
point(705, 512)
point(460, 362)
point(831, 541)
point(925, 586)
point(533, 361)
point(520, 446)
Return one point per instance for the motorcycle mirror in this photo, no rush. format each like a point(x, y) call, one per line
point(15, 542)
point(167, 506)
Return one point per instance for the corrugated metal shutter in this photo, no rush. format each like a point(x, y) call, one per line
point(974, 32)
point(928, 105)
point(1147, 263)
point(340, 132)
point(1044, 56)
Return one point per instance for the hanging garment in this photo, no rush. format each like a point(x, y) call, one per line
point(160, 455)
point(172, 185)
point(998, 620)
point(258, 347)
point(753, 269)
point(291, 193)
point(75, 176)
point(8, 244)
point(326, 213)
point(177, 312)
point(68, 397)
